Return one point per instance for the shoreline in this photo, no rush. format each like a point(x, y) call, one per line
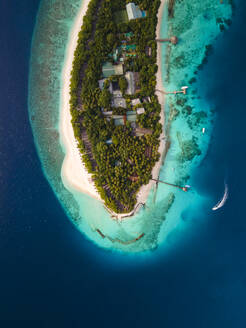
point(145, 190)
point(74, 174)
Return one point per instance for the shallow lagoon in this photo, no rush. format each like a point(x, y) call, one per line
point(196, 26)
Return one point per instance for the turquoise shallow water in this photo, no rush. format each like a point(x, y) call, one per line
point(196, 25)
point(50, 273)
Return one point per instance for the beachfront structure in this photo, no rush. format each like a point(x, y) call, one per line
point(109, 69)
point(133, 11)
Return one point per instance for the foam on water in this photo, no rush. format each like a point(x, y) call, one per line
point(196, 26)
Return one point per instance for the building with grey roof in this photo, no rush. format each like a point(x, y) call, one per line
point(131, 83)
point(108, 69)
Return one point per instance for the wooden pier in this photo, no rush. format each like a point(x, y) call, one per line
point(184, 91)
point(173, 40)
point(170, 184)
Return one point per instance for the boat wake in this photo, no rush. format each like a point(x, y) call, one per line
point(223, 200)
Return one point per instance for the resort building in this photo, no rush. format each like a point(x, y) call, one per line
point(133, 11)
point(133, 81)
point(136, 102)
point(109, 69)
point(131, 85)
point(109, 113)
point(140, 111)
point(131, 117)
point(142, 131)
point(122, 52)
point(118, 100)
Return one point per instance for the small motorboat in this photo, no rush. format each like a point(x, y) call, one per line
point(223, 199)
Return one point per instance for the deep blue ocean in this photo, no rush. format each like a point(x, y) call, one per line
point(50, 276)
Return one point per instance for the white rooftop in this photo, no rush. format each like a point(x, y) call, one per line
point(140, 111)
point(136, 102)
point(133, 11)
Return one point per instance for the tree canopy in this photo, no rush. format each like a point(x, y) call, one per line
point(120, 161)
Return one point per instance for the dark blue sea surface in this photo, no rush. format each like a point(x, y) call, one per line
point(50, 276)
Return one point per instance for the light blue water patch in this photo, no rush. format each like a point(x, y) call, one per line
point(54, 23)
point(196, 26)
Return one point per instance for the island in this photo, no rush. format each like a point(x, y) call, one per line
point(116, 111)
point(189, 118)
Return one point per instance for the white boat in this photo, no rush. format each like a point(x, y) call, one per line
point(203, 130)
point(223, 199)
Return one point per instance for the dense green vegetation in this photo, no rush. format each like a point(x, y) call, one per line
point(119, 160)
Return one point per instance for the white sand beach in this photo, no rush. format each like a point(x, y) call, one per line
point(74, 174)
point(144, 190)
